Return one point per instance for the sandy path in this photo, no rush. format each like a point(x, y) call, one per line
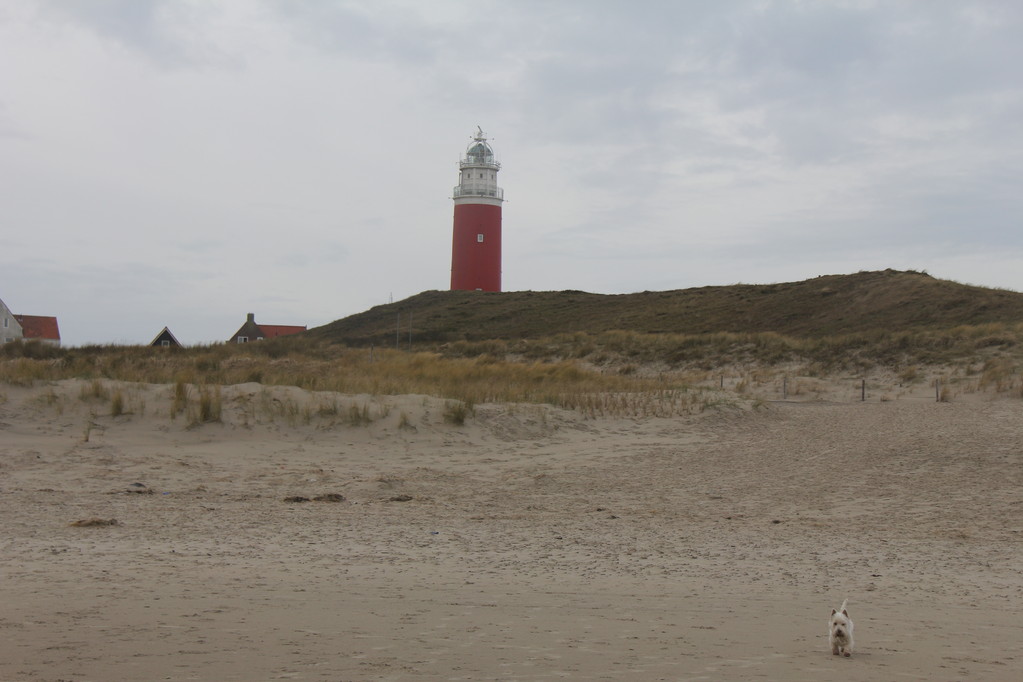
point(535, 545)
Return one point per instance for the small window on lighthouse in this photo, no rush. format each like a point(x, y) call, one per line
point(479, 238)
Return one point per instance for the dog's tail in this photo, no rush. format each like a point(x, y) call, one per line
point(842, 607)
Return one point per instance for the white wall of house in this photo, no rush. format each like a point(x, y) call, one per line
point(10, 328)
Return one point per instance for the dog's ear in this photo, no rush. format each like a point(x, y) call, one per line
point(833, 612)
point(845, 613)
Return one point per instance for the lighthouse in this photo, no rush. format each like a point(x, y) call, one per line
point(476, 241)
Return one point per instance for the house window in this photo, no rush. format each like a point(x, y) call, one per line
point(7, 322)
point(479, 238)
point(243, 339)
point(165, 343)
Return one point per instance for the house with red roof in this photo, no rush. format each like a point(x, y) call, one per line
point(39, 328)
point(250, 331)
point(27, 327)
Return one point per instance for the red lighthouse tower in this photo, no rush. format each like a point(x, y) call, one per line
point(476, 244)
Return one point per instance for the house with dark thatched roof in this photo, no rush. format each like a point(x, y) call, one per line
point(165, 340)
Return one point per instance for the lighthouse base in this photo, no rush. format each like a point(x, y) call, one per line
point(476, 248)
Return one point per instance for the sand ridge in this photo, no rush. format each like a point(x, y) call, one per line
point(528, 543)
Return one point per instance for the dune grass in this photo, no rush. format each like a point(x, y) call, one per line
point(316, 366)
point(626, 350)
point(609, 373)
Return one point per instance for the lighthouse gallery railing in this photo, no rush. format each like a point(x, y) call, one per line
point(478, 191)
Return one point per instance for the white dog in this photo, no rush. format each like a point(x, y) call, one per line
point(840, 631)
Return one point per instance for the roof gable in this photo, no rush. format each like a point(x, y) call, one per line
point(165, 335)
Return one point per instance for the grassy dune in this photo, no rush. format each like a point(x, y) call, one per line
point(611, 373)
point(599, 354)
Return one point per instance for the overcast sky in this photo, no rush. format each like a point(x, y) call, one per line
point(176, 163)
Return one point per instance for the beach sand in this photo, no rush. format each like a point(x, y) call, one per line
point(530, 543)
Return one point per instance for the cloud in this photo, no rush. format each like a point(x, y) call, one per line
point(297, 158)
point(171, 34)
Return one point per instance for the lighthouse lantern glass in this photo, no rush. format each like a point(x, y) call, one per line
point(480, 153)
